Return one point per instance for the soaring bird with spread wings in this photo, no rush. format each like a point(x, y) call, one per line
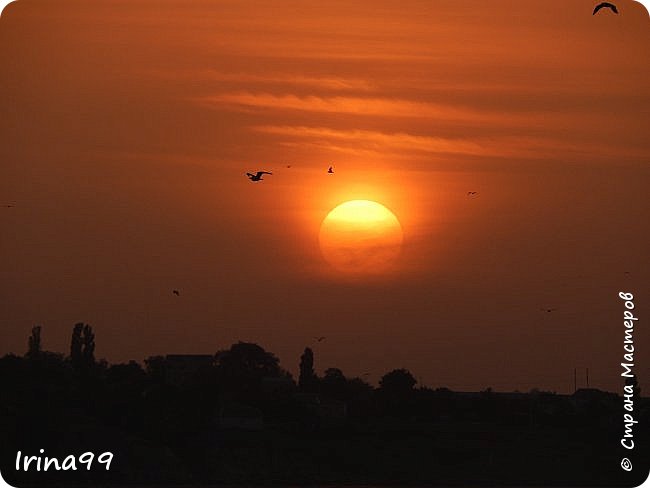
point(257, 176)
point(605, 5)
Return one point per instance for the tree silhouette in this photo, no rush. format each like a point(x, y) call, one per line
point(398, 382)
point(333, 375)
point(88, 341)
point(396, 393)
point(76, 346)
point(204, 425)
point(82, 346)
point(308, 379)
point(155, 368)
point(34, 343)
point(243, 366)
point(334, 384)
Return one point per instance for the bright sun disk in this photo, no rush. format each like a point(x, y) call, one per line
point(360, 237)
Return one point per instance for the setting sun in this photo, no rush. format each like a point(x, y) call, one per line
point(360, 237)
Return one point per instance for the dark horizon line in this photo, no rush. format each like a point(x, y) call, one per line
point(420, 385)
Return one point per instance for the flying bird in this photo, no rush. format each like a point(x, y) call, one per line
point(605, 5)
point(330, 170)
point(176, 292)
point(257, 176)
point(9, 206)
point(548, 310)
point(472, 193)
point(320, 339)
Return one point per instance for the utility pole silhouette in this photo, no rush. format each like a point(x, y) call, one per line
point(575, 378)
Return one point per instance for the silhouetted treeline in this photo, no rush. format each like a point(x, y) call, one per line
point(237, 416)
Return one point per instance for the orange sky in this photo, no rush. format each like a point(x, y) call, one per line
point(127, 127)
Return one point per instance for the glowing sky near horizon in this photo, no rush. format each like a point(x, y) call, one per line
point(127, 128)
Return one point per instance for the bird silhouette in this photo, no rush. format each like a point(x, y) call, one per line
point(176, 292)
point(548, 310)
point(605, 5)
point(472, 193)
point(330, 170)
point(288, 166)
point(320, 339)
point(257, 176)
point(9, 206)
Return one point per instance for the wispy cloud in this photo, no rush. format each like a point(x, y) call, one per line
point(322, 82)
point(374, 140)
point(373, 106)
point(405, 145)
